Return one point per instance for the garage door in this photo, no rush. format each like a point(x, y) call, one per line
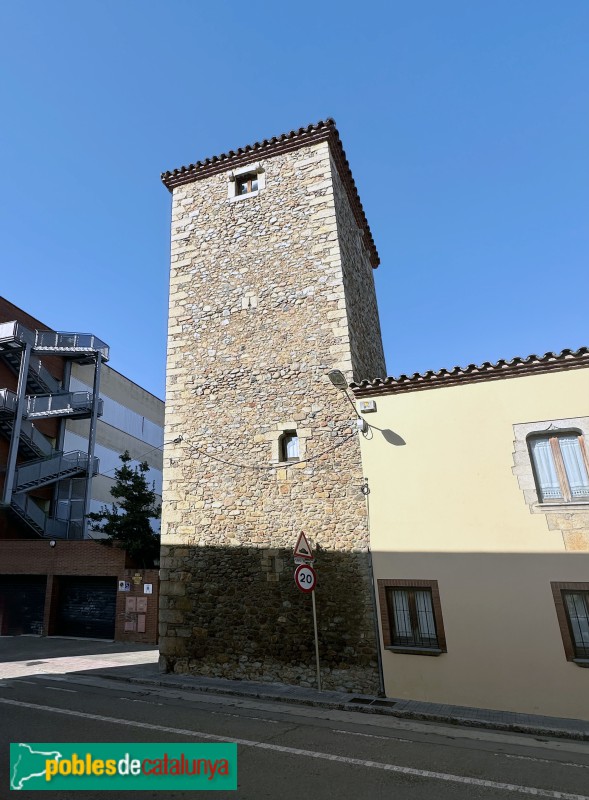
point(86, 607)
point(22, 602)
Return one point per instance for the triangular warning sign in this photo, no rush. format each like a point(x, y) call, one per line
point(303, 548)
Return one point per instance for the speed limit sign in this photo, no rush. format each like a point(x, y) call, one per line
point(305, 578)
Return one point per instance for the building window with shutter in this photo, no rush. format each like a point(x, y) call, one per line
point(561, 467)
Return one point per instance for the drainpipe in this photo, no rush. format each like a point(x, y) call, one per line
point(381, 689)
point(92, 440)
point(18, 416)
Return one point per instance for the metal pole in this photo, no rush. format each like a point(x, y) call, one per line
point(92, 441)
point(18, 416)
point(65, 385)
point(316, 640)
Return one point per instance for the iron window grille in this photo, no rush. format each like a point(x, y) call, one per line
point(411, 616)
point(572, 611)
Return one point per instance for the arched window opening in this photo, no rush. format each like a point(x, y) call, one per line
point(289, 446)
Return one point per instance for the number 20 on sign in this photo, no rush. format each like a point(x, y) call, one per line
point(305, 578)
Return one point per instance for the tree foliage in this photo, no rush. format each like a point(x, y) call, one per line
point(126, 522)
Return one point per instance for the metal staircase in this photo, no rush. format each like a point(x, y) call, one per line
point(58, 466)
point(39, 379)
point(41, 396)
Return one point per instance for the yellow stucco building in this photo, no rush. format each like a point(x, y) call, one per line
point(479, 529)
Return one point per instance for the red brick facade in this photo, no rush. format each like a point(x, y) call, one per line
point(87, 558)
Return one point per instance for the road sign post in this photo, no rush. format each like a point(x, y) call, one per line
point(316, 641)
point(306, 579)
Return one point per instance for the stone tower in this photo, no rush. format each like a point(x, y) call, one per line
point(271, 287)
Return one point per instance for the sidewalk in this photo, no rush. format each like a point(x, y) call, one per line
point(147, 674)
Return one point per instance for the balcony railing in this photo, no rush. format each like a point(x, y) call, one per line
point(60, 342)
point(67, 404)
point(13, 335)
point(8, 403)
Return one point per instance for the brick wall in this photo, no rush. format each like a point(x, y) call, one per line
point(84, 558)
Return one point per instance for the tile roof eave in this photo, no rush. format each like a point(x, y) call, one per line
point(532, 365)
point(324, 130)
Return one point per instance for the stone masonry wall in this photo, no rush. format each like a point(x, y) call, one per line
point(257, 318)
point(360, 297)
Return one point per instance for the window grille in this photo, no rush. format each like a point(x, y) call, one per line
point(577, 611)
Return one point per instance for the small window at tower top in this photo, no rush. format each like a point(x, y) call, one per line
point(247, 181)
point(245, 184)
point(289, 446)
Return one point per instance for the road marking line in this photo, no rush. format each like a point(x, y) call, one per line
point(20, 680)
point(276, 748)
point(243, 716)
point(543, 760)
point(134, 700)
point(370, 735)
point(59, 689)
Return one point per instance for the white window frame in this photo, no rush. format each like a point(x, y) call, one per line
point(251, 169)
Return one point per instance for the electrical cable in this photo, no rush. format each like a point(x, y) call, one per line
point(177, 440)
point(284, 465)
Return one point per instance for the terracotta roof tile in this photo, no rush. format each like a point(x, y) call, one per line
point(533, 364)
point(324, 130)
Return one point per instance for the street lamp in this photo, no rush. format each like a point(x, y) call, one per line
point(338, 379)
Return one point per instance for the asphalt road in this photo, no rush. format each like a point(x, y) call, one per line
point(291, 751)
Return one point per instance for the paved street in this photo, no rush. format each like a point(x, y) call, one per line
point(285, 751)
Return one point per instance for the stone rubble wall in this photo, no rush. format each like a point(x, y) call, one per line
point(257, 318)
point(368, 361)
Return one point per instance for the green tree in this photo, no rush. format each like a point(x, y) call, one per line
point(127, 522)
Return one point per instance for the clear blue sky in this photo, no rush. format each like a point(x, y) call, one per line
point(465, 124)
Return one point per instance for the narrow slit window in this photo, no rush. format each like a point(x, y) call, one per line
point(289, 446)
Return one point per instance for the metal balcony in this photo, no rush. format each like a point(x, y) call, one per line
point(75, 405)
point(79, 346)
point(48, 470)
point(13, 336)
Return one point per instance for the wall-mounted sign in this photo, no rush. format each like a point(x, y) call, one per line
point(130, 604)
point(137, 578)
point(124, 586)
point(148, 588)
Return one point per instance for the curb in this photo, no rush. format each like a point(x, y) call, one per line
point(422, 716)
